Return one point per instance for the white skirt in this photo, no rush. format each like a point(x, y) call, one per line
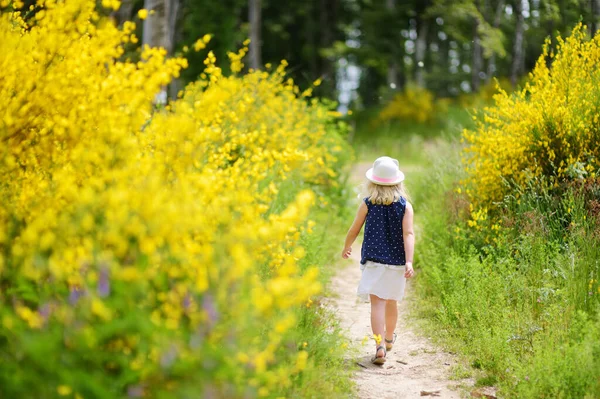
point(384, 281)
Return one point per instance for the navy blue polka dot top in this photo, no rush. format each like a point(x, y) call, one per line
point(384, 241)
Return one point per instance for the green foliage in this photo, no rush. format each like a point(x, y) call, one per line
point(526, 309)
point(548, 130)
point(300, 32)
point(460, 17)
point(144, 260)
point(414, 104)
point(372, 137)
point(220, 19)
point(567, 368)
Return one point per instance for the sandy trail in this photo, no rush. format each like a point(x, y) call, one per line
point(413, 365)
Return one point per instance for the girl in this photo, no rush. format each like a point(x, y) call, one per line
point(387, 249)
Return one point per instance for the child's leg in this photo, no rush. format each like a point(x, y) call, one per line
point(391, 318)
point(378, 317)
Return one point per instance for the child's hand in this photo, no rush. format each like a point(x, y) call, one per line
point(408, 271)
point(347, 252)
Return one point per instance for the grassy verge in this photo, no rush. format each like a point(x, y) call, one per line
point(317, 330)
point(404, 140)
point(522, 312)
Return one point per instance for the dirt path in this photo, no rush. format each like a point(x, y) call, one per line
point(414, 364)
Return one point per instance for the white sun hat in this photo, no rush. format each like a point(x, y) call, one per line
point(385, 172)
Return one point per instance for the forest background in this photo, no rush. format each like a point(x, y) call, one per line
point(365, 49)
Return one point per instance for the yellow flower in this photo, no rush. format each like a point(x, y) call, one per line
point(377, 338)
point(180, 217)
point(199, 45)
point(64, 390)
point(301, 360)
point(534, 123)
point(100, 309)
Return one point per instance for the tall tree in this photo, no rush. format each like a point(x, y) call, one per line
point(254, 16)
point(595, 13)
point(327, 20)
point(517, 55)
point(477, 54)
point(159, 29)
point(392, 72)
point(159, 26)
point(467, 22)
point(423, 20)
point(491, 66)
point(124, 13)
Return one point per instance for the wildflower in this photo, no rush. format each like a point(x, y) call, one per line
point(377, 338)
point(208, 305)
point(135, 391)
point(166, 198)
point(75, 293)
point(199, 45)
point(168, 357)
point(530, 124)
point(64, 390)
point(104, 283)
point(301, 360)
point(100, 309)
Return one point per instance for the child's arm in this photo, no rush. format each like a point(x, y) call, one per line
point(409, 239)
point(359, 220)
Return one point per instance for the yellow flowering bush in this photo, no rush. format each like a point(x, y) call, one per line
point(142, 253)
point(485, 95)
point(414, 104)
point(549, 129)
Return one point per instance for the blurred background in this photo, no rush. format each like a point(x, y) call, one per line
point(366, 50)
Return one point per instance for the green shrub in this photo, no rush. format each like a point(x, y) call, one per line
point(524, 308)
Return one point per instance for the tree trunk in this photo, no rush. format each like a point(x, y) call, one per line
point(392, 72)
point(491, 68)
point(310, 32)
point(254, 16)
point(159, 27)
point(477, 57)
point(159, 30)
point(421, 47)
point(123, 13)
point(517, 59)
point(327, 17)
point(595, 17)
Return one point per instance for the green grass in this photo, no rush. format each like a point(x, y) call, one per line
point(522, 314)
point(406, 141)
point(317, 330)
point(411, 144)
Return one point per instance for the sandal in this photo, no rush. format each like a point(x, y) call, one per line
point(389, 343)
point(379, 359)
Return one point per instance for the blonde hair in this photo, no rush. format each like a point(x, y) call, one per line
point(385, 195)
